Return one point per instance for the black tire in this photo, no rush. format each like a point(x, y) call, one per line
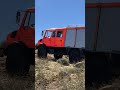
point(97, 67)
point(17, 61)
point(57, 56)
point(1, 52)
point(74, 56)
point(42, 52)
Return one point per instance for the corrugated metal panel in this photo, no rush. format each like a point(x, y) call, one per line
point(90, 27)
point(80, 39)
point(109, 33)
point(70, 38)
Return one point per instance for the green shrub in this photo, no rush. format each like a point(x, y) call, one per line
point(63, 61)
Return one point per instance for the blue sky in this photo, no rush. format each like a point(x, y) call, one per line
point(58, 13)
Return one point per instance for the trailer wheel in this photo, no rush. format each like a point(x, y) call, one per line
point(16, 61)
point(57, 56)
point(74, 55)
point(42, 52)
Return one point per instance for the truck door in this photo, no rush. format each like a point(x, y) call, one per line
point(53, 36)
point(47, 39)
point(59, 39)
point(27, 30)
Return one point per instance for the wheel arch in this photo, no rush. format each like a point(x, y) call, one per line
point(15, 43)
point(73, 49)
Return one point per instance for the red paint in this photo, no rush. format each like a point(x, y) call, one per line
point(57, 41)
point(113, 4)
point(24, 34)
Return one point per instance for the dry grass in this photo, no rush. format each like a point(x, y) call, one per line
point(51, 75)
point(113, 85)
point(13, 82)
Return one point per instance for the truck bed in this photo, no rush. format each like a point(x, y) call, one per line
point(75, 38)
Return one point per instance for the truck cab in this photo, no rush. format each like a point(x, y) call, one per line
point(25, 33)
point(20, 47)
point(54, 37)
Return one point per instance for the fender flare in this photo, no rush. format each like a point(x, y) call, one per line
point(40, 45)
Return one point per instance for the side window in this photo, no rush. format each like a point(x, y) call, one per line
point(27, 20)
point(53, 34)
point(59, 34)
point(48, 34)
point(30, 20)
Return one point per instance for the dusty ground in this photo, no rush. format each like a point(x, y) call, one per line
point(113, 85)
point(51, 75)
point(13, 82)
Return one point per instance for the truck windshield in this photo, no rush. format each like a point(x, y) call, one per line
point(21, 16)
point(30, 20)
point(48, 34)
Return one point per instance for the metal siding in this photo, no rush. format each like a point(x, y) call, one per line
point(90, 27)
point(80, 39)
point(70, 38)
point(109, 33)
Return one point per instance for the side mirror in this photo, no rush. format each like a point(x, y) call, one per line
point(17, 17)
point(42, 33)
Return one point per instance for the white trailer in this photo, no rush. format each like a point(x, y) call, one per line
point(102, 38)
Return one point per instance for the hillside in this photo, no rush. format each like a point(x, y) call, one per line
point(51, 75)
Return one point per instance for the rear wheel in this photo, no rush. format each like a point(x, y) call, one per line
point(74, 55)
point(17, 60)
point(97, 67)
point(42, 52)
point(57, 56)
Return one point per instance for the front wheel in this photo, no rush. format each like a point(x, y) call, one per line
point(17, 60)
point(42, 51)
point(1, 52)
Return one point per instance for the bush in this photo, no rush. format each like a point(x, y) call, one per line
point(63, 61)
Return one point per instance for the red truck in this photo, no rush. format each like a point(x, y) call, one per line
point(63, 41)
point(102, 39)
point(20, 44)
